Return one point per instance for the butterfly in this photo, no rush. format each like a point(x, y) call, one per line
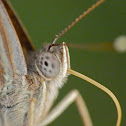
point(30, 81)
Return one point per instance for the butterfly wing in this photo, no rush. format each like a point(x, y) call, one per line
point(20, 30)
point(12, 59)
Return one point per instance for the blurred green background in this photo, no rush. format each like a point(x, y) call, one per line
point(44, 19)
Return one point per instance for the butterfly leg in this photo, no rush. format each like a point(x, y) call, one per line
point(31, 112)
point(73, 96)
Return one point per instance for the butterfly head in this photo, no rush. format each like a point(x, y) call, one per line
point(49, 61)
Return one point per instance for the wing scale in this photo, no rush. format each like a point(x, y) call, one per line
point(12, 59)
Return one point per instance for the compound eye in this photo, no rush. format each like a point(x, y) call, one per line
point(48, 65)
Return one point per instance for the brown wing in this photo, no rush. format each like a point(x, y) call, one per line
point(12, 60)
point(20, 30)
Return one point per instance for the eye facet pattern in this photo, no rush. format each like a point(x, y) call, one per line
point(48, 64)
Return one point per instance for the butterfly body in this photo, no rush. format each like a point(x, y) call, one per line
point(15, 101)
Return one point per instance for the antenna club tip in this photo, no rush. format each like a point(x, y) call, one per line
point(120, 44)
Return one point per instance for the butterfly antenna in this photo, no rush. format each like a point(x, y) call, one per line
point(78, 19)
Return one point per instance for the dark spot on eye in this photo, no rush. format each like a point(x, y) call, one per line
point(50, 71)
point(46, 63)
point(52, 65)
point(47, 57)
point(45, 69)
point(41, 62)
